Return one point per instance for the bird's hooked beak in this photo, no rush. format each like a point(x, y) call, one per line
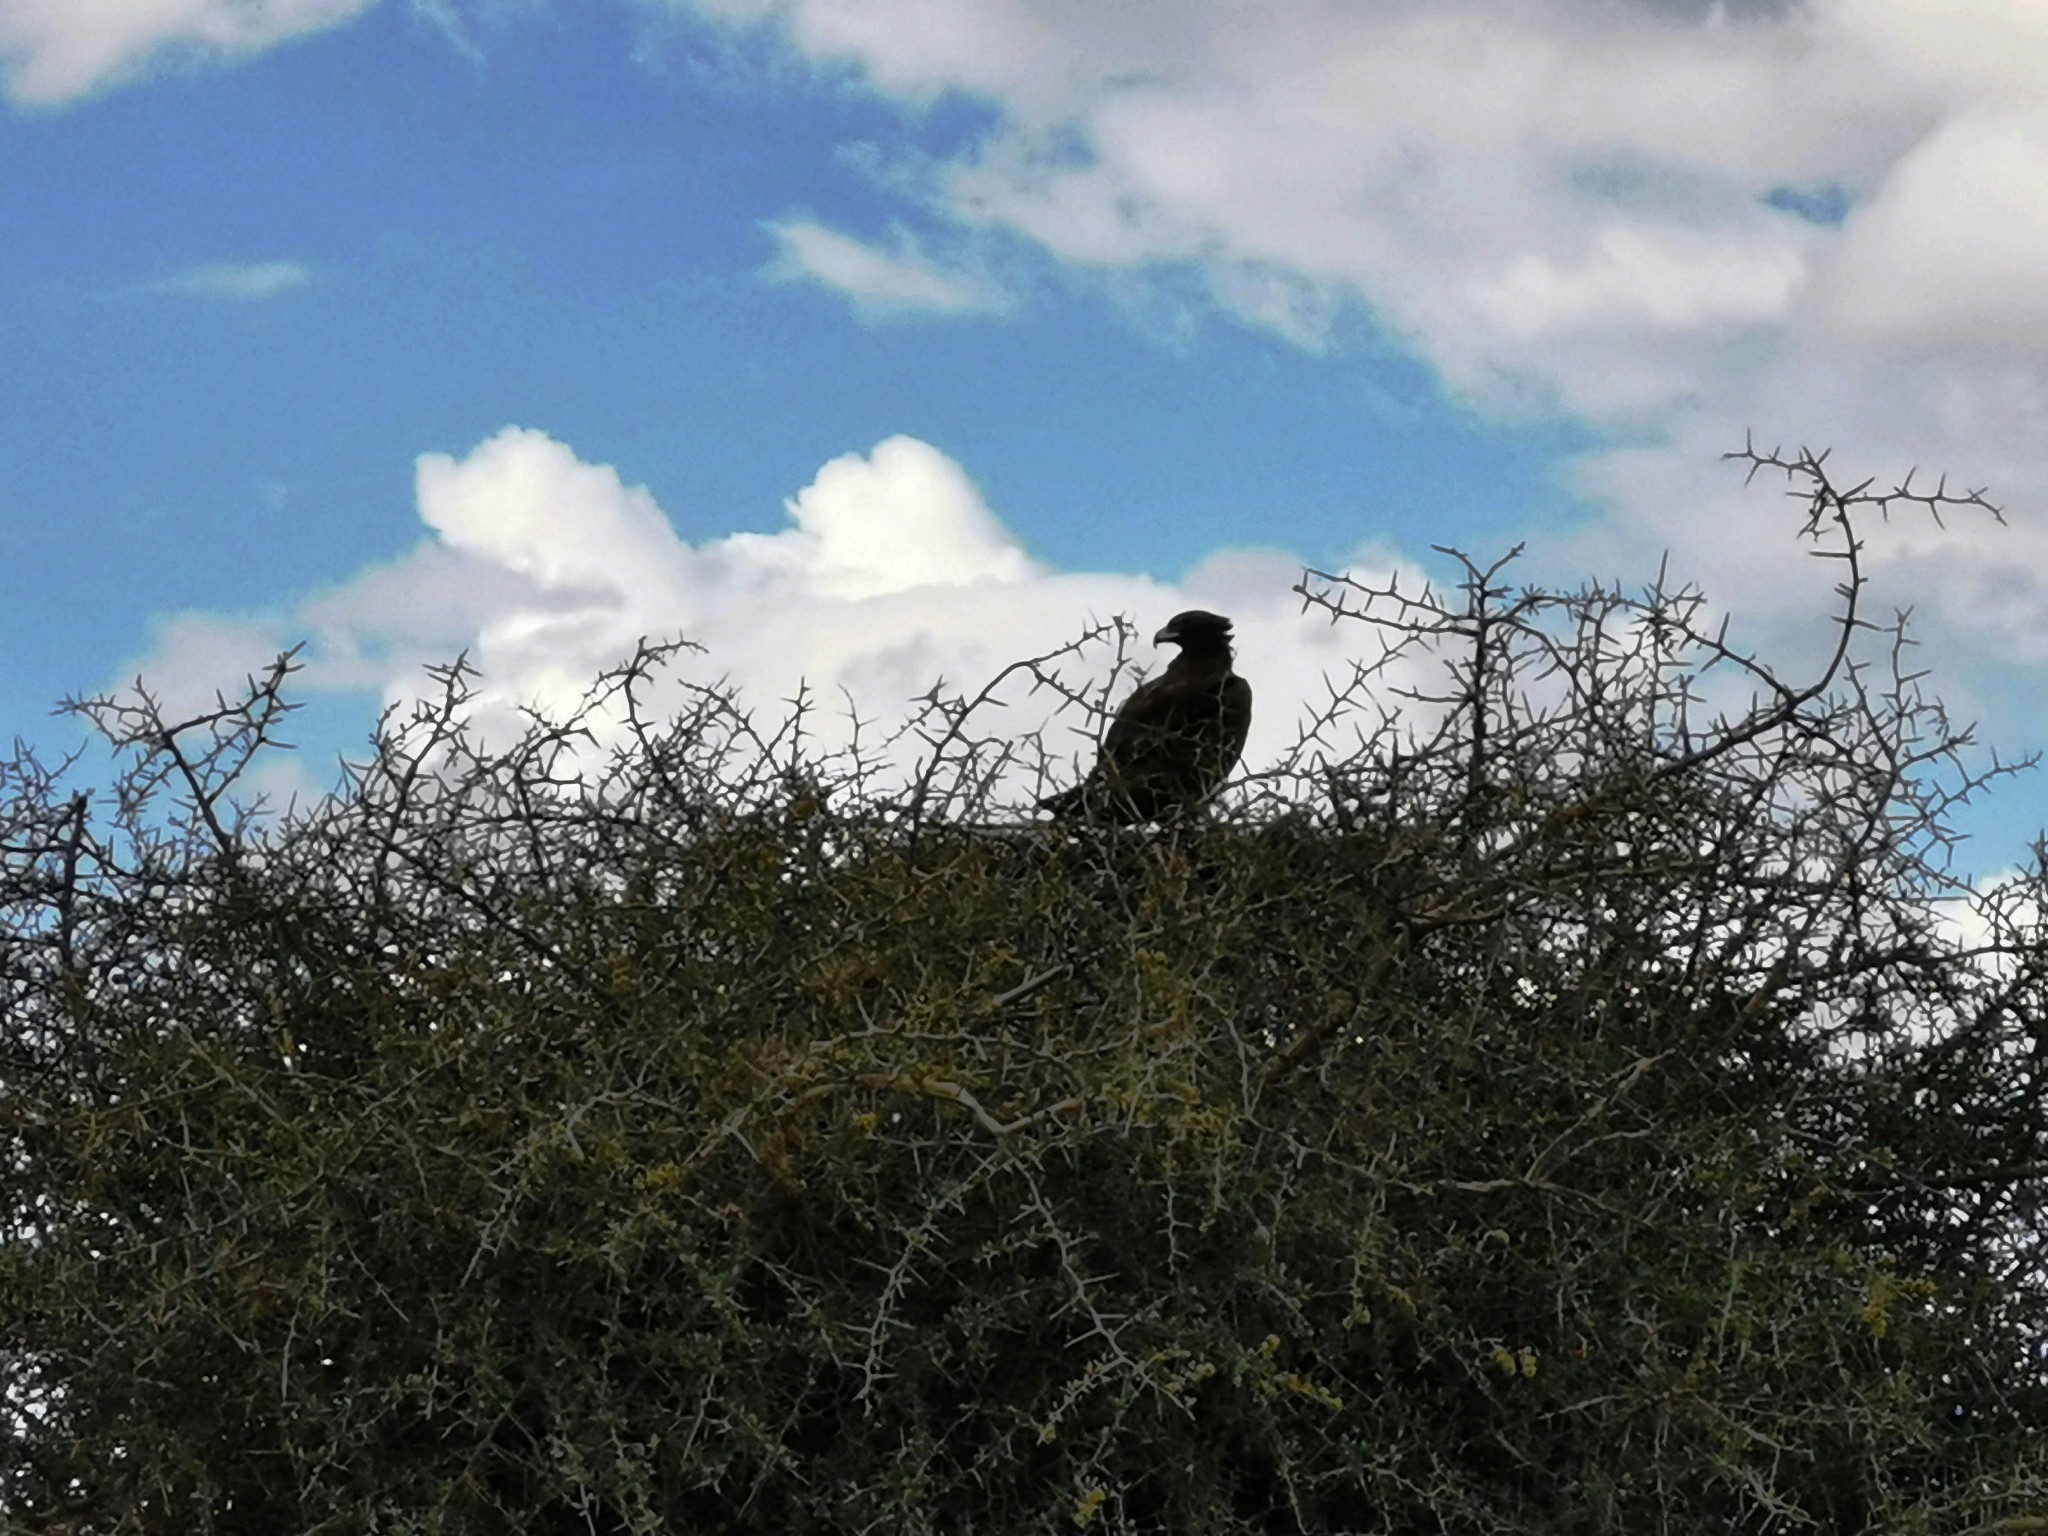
point(1197, 629)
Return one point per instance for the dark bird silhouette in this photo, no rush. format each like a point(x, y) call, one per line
point(1175, 738)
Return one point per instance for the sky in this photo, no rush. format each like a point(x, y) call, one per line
point(866, 342)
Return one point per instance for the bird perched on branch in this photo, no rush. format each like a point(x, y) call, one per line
point(1175, 738)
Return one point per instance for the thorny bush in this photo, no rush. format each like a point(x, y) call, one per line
point(1553, 1101)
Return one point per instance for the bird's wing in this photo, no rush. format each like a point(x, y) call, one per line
point(1139, 720)
point(1177, 729)
point(1237, 719)
point(1156, 713)
point(1172, 742)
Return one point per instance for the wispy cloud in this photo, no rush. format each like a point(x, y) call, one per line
point(53, 52)
point(248, 282)
point(445, 19)
point(883, 282)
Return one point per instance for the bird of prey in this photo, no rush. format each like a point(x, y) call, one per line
point(1175, 738)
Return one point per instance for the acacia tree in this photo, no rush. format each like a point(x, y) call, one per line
point(1563, 1107)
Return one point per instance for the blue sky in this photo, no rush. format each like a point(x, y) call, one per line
point(1129, 289)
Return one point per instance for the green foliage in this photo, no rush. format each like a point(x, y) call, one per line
point(1559, 1119)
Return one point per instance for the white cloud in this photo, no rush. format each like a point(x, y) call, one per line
point(892, 574)
point(197, 658)
point(883, 282)
point(1517, 192)
point(1563, 209)
point(1632, 279)
point(1045, 55)
point(242, 281)
point(55, 51)
point(1951, 250)
point(905, 517)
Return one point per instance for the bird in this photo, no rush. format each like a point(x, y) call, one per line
point(1175, 739)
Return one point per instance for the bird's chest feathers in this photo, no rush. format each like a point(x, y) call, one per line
point(1195, 675)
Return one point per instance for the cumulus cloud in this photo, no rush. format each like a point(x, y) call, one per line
point(893, 572)
point(891, 281)
point(239, 281)
point(55, 51)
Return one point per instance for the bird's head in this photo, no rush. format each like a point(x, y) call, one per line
point(1196, 630)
